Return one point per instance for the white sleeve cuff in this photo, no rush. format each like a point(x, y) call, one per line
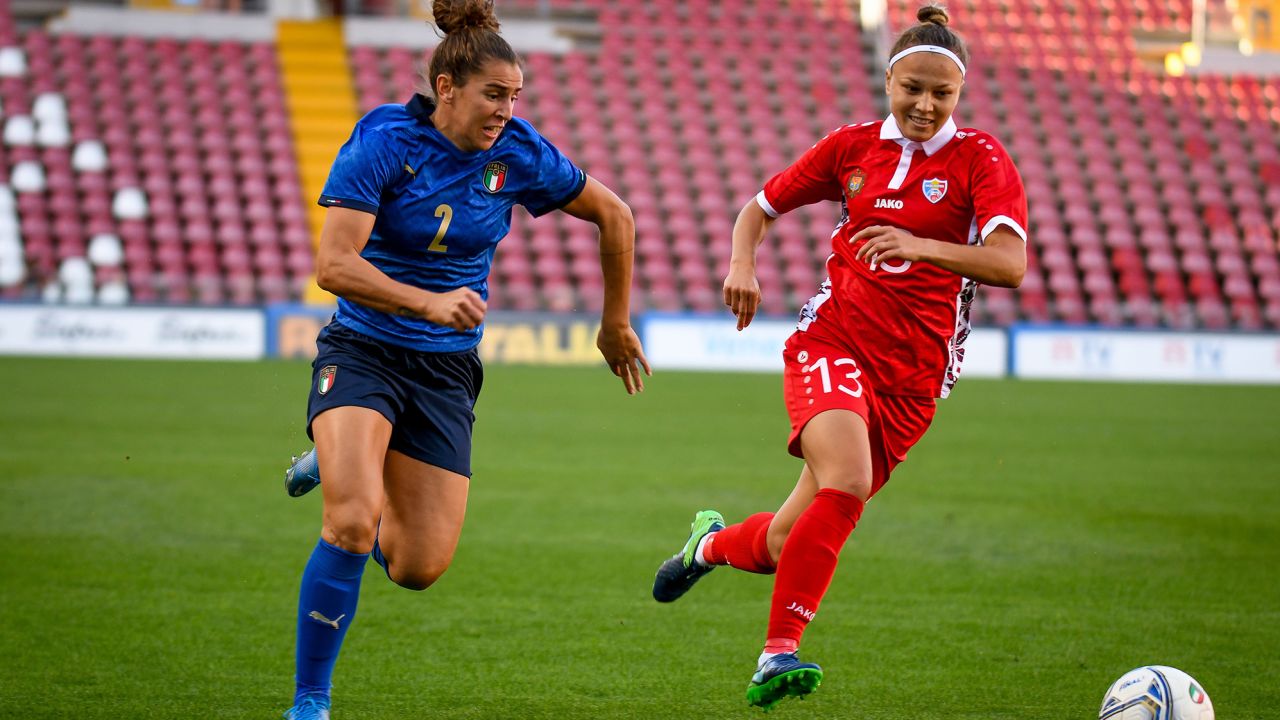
point(999, 220)
point(763, 202)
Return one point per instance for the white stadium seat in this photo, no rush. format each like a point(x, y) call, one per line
point(20, 130)
point(28, 176)
point(130, 204)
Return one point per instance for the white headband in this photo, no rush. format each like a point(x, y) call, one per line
point(931, 49)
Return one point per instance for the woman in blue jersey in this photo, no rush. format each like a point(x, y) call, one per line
point(417, 201)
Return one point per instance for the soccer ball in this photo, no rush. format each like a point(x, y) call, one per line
point(1156, 692)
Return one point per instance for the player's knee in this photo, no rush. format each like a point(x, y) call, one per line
point(859, 487)
point(352, 534)
point(857, 484)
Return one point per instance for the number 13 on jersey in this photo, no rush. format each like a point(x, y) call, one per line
point(825, 369)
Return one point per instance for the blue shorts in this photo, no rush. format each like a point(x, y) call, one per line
point(428, 397)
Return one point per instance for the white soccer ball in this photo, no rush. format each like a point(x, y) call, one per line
point(1156, 692)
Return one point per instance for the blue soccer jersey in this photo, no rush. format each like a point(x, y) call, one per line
point(440, 211)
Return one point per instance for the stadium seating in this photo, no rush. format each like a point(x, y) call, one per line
point(1142, 211)
point(1155, 201)
point(198, 187)
point(684, 115)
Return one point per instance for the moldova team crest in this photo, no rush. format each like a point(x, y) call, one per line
point(495, 176)
point(934, 189)
point(857, 179)
point(327, 373)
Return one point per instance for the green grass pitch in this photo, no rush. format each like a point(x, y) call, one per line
point(1043, 539)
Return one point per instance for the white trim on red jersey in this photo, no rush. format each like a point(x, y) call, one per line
point(955, 347)
point(889, 130)
point(904, 164)
point(964, 301)
point(809, 312)
point(999, 220)
point(763, 202)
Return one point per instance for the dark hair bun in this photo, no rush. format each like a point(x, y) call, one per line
point(935, 14)
point(454, 15)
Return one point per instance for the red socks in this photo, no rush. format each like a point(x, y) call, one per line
point(807, 564)
point(745, 546)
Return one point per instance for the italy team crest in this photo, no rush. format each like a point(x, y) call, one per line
point(857, 179)
point(1197, 695)
point(934, 189)
point(327, 375)
point(495, 176)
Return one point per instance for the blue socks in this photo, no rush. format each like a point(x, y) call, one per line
point(326, 607)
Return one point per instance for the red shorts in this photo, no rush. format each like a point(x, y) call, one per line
point(823, 374)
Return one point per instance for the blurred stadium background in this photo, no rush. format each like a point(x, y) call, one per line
point(174, 157)
point(158, 170)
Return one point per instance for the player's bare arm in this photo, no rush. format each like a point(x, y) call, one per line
point(342, 271)
point(617, 341)
point(1000, 261)
point(741, 287)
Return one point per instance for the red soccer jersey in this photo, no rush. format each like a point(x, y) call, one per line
point(908, 320)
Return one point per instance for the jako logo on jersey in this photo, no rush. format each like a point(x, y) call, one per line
point(887, 203)
point(857, 179)
point(934, 189)
point(801, 610)
point(326, 378)
point(495, 176)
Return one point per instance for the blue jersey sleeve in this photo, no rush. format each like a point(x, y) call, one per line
point(558, 182)
point(366, 164)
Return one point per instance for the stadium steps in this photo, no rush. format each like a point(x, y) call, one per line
point(320, 96)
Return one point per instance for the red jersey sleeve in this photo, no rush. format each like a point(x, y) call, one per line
point(998, 195)
point(810, 179)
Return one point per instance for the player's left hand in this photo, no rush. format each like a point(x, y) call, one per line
point(885, 242)
point(622, 352)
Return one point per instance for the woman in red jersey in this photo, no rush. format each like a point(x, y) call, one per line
point(930, 212)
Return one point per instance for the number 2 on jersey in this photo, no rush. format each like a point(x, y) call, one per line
point(446, 212)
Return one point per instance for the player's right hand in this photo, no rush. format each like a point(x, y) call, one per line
point(742, 294)
point(621, 350)
point(460, 309)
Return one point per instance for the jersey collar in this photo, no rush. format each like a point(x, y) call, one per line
point(421, 107)
point(889, 130)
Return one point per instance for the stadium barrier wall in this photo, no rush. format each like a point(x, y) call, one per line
point(712, 342)
point(1070, 353)
point(672, 342)
point(188, 333)
point(509, 337)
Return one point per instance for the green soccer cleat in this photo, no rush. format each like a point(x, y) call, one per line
point(680, 571)
point(303, 474)
point(782, 676)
